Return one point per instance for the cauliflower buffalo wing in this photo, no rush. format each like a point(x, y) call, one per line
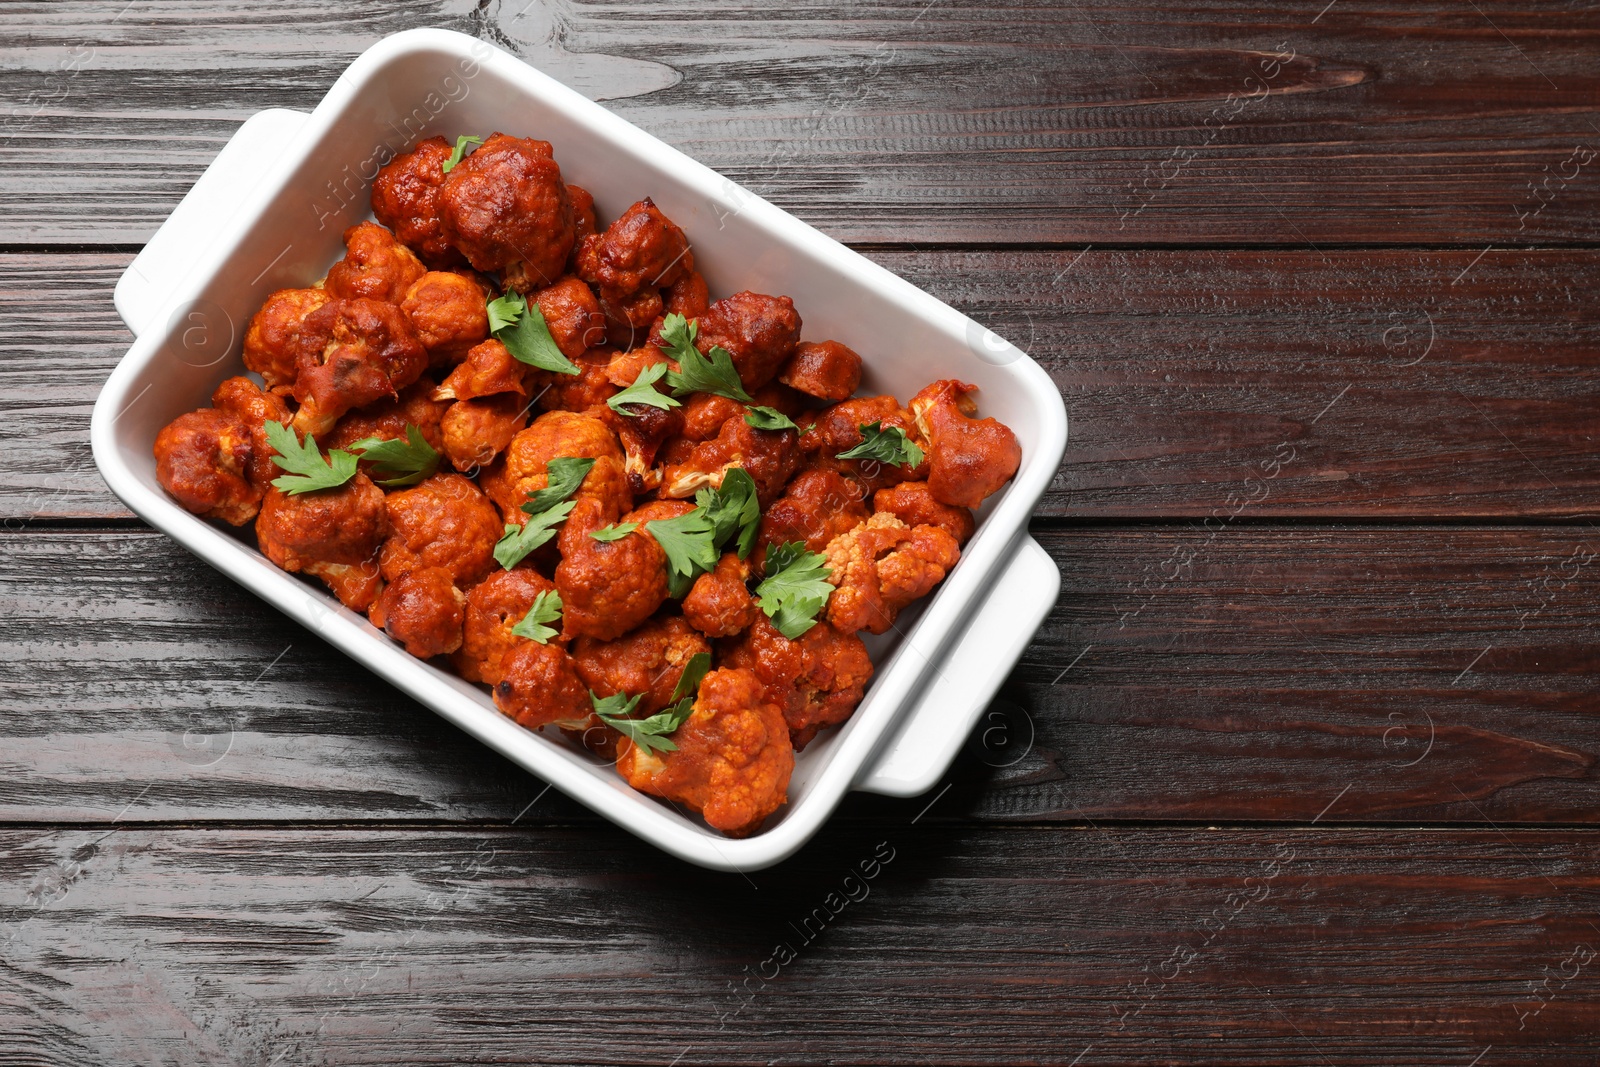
point(245, 399)
point(539, 686)
point(506, 209)
point(204, 459)
point(838, 429)
point(827, 371)
point(573, 315)
point(388, 418)
point(769, 456)
point(645, 662)
point(733, 758)
point(422, 609)
point(719, 603)
point(816, 680)
point(760, 333)
point(331, 534)
point(913, 503)
point(443, 523)
point(488, 370)
point(969, 457)
point(375, 266)
point(607, 587)
point(882, 566)
point(494, 606)
point(405, 198)
point(554, 435)
point(819, 505)
point(350, 353)
point(476, 431)
point(270, 340)
point(643, 249)
point(449, 313)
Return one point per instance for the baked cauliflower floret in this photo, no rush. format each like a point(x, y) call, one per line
point(375, 266)
point(642, 249)
point(204, 459)
point(558, 434)
point(758, 331)
point(573, 315)
point(505, 208)
point(350, 353)
point(405, 198)
point(607, 587)
point(913, 503)
point(733, 758)
point(423, 610)
point(585, 391)
point(838, 429)
point(819, 505)
point(968, 457)
point(688, 296)
point(539, 687)
point(770, 457)
point(719, 603)
point(444, 522)
point(476, 431)
point(450, 313)
point(816, 680)
point(331, 534)
point(488, 369)
point(826, 370)
point(388, 418)
point(642, 429)
point(246, 400)
point(271, 338)
point(494, 606)
point(645, 662)
point(880, 567)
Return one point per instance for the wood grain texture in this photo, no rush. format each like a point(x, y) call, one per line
point(1371, 384)
point(307, 946)
point(1094, 121)
point(1446, 675)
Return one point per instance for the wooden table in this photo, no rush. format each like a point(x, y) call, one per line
point(1300, 769)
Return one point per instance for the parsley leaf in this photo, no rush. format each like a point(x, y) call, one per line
point(402, 462)
point(307, 469)
point(460, 150)
point(689, 544)
point(526, 335)
point(890, 446)
point(646, 733)
point(563, 475)
point(732, 508)
point(795, 589)
point(615, 532)
point(696, 373)
point(763, 418)
point(546, 608)
point(693, 673)
point(514, 546)
point(643, 391)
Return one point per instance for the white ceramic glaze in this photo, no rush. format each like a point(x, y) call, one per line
point(269, 214)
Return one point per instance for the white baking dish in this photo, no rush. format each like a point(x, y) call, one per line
point(269, 214)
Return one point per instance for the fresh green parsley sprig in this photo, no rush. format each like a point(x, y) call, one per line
point(697, 373)
point(521, 327)
point(651, 733)
point(890, 446)
point(545, 510)
point(546, 608)
point(401, 462)
point(614, 532)
point(643, 391)
point(694, 540)
point(459, 151)
point(308, 470)
point(795, 589)
point(765, 418)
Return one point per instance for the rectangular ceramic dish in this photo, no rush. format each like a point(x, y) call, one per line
point(269, 213)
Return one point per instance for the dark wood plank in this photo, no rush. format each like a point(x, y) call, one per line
point(1445, 674)
point(898, 120)
point(1375, 383)
point(965, 946)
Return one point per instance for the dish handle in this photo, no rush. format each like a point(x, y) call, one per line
point(156, 271)
point(921, 749)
